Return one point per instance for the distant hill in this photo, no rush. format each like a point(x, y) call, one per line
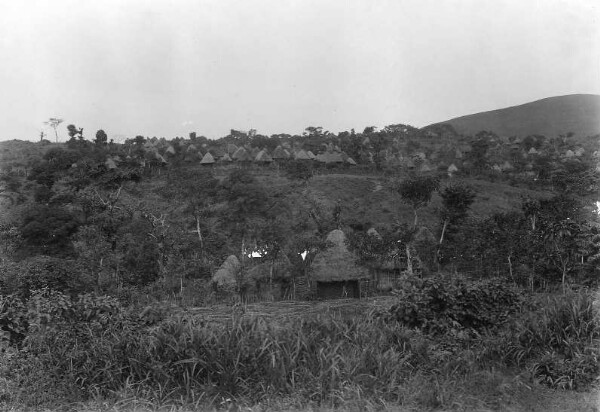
point(577, 113)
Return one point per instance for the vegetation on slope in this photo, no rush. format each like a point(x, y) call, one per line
point(91, 249)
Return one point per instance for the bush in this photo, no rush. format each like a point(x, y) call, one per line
point(443, 304)
point(42, 272)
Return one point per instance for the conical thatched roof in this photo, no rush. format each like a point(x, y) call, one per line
point(280, 153)
point(452, 168)
point(254, 152)
point(336, 263)
point(351, 161)
point(231, 148)
point(110, 164)
point(310, 154)
point(302, 155)
point(241, 155)
point(263, 156)
point(226, 158)
point(226, 275)
point(170, 150)
point(208, 159)
point(425, 168)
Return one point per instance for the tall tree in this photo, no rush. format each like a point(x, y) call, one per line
point(101, 138)
point(417, 191)
point(456, 201)
point(53, 122)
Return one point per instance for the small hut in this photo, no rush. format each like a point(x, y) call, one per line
point(280, 153)
point(225, 158)
point(263, 157)
point(302, 155)
point(110, 164)
point(241, 155)
point(452, 169)
point(208, 159)
point(231, 149)
point(351, 161)
point(334, 272)
point(253, 152)
point(226, 277)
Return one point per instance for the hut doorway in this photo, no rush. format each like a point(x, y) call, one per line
point(338, 290)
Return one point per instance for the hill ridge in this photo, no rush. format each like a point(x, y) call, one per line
point(551, 116)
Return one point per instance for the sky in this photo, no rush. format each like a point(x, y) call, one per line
point(166, 68)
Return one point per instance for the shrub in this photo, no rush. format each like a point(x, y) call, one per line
point(443, 304)
point(42, 272)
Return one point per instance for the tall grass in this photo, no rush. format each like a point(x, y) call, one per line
point(557, 340)
point(93, 348)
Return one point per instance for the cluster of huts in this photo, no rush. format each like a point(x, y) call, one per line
point(501, 157)
point(333, 273)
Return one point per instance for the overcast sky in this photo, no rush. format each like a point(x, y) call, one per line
point(166, 68)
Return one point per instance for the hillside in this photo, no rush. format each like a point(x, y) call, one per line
point(577, 113)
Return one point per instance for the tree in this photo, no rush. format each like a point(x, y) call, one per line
point(47, 229)
point(53, 122)
point(101, 138)
point(564, 241)
point(417, 191)
point(75, 132)
point(456, 201)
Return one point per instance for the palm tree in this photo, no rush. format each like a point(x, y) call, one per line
point(53, 122)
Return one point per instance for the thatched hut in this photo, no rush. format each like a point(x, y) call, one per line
point(334, 273)
point(231, 149)
point(452, 169)
point(263, 157)
point(302, 155)
point(110, 164)
point(226, 277)
point(208, 159)
point(280, 153)
point(241, 155)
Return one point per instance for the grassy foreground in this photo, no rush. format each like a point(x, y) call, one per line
point(490, 349)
